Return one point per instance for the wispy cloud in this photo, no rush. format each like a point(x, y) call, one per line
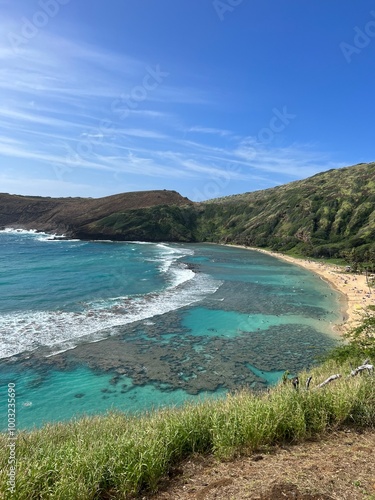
point(209, 130)
point(60, 131)
point(294, 161)
point(39, 186)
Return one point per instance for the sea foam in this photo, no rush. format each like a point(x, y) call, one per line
point(26, 331)
point(60, 330)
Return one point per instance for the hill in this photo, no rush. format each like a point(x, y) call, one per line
point(328, 215)
point(322, 216)
point(69, 215)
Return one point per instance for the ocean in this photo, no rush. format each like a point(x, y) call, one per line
point(86, 327)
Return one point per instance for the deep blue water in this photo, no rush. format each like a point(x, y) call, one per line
point(88, 326)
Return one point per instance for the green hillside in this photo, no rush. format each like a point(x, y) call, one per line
point(323, 215)
point(157, 223)
point(328, 215)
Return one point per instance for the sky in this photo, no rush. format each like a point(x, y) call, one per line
point(206, 97)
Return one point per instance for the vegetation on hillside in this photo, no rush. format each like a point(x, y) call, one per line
point(70, 215)
point(329, 215)
point(119, 456)
point(158, 223)
point(360, 344)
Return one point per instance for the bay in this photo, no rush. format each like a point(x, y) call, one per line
point(90, 326)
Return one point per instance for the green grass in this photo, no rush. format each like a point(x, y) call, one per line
point(118, 456)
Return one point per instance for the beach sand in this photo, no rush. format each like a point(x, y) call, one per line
point(353, 286)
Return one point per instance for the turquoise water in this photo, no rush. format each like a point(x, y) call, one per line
point(215, 322)
point(272, 377)
point(66, 395)
point(90, 326)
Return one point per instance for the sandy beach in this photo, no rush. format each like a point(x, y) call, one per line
point(353, 286)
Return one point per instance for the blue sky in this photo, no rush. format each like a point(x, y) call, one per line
point(206, 97)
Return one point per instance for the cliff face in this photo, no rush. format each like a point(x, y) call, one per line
point(325, 215)
point(72, 215)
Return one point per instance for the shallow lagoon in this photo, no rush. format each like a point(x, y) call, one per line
point(259, 317)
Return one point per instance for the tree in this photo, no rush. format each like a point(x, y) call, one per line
point(364, 335)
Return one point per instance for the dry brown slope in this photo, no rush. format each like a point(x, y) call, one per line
point(63, 214)
point(338, 467)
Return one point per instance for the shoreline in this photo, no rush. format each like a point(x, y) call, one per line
point(352, 287)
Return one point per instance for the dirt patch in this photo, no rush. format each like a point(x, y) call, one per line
point(290, 491)
point(340, 466)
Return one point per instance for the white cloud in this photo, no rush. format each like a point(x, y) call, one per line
point(208, 130)
point(146, 134)
point(56, 112)
point(295, 161)
point(36, 186)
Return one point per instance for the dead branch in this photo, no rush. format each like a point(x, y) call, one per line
point(329, 379)
point(365, 366)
